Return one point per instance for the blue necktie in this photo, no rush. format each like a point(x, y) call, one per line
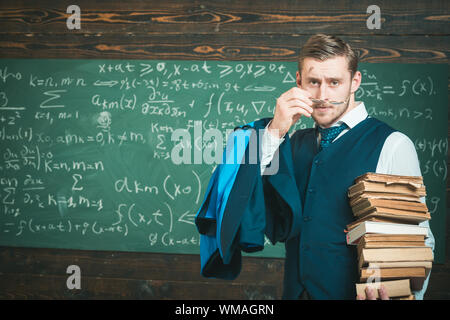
point(329, 134)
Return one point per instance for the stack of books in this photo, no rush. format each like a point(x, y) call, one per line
point(390, 243)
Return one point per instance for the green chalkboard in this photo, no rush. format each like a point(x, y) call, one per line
point(86, 145)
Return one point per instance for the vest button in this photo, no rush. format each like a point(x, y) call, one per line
point(316, 161)
point(306, 219)
point(311, 190)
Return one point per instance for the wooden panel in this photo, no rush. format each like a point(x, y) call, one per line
point(37, 273)
point(126, 264)
point(439, 283)
point(408, 49)
point(26, 286)
point(228, 17)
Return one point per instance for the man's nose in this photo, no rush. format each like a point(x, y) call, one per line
point(323, 91)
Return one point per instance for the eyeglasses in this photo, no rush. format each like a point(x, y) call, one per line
point(330, 102)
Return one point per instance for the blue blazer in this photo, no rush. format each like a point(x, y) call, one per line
point(235, 215)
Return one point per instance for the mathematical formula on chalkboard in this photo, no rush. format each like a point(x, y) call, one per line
point(88, 146)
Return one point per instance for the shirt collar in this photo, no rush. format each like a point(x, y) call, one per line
point(353, 117)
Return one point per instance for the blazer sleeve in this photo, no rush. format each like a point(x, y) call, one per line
point(219, 216)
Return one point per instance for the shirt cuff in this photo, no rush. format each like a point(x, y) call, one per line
point(270, 144)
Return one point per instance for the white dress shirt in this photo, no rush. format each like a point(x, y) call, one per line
point(398, 156)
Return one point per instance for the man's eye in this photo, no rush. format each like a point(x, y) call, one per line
point(335, 83)
point(313, 82)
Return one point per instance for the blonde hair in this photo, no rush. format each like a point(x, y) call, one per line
point(322, 47)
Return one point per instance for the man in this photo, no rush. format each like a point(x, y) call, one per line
point(344, 143)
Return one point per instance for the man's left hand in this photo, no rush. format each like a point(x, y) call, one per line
point(370, 294)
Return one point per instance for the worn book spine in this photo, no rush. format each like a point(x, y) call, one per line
point(393, 237)
point(409, 218)
point(392, 273)
point(356, 199)
point(394, 254)
point(372, 176)
point(367, 186)
point(393, 204)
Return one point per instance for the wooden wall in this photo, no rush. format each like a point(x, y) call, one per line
point(411, 32)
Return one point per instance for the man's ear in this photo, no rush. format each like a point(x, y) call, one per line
point(298, 79)
point(356, 82)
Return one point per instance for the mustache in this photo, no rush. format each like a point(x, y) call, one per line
point(328, 102)
point(322, 104)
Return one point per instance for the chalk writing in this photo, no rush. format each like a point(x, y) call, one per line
point(86, 158)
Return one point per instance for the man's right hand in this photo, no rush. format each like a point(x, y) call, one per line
point(291, 105)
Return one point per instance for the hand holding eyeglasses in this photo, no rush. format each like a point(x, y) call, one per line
point(291, 105)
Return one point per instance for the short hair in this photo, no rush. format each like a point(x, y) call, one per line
point(322, 46)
